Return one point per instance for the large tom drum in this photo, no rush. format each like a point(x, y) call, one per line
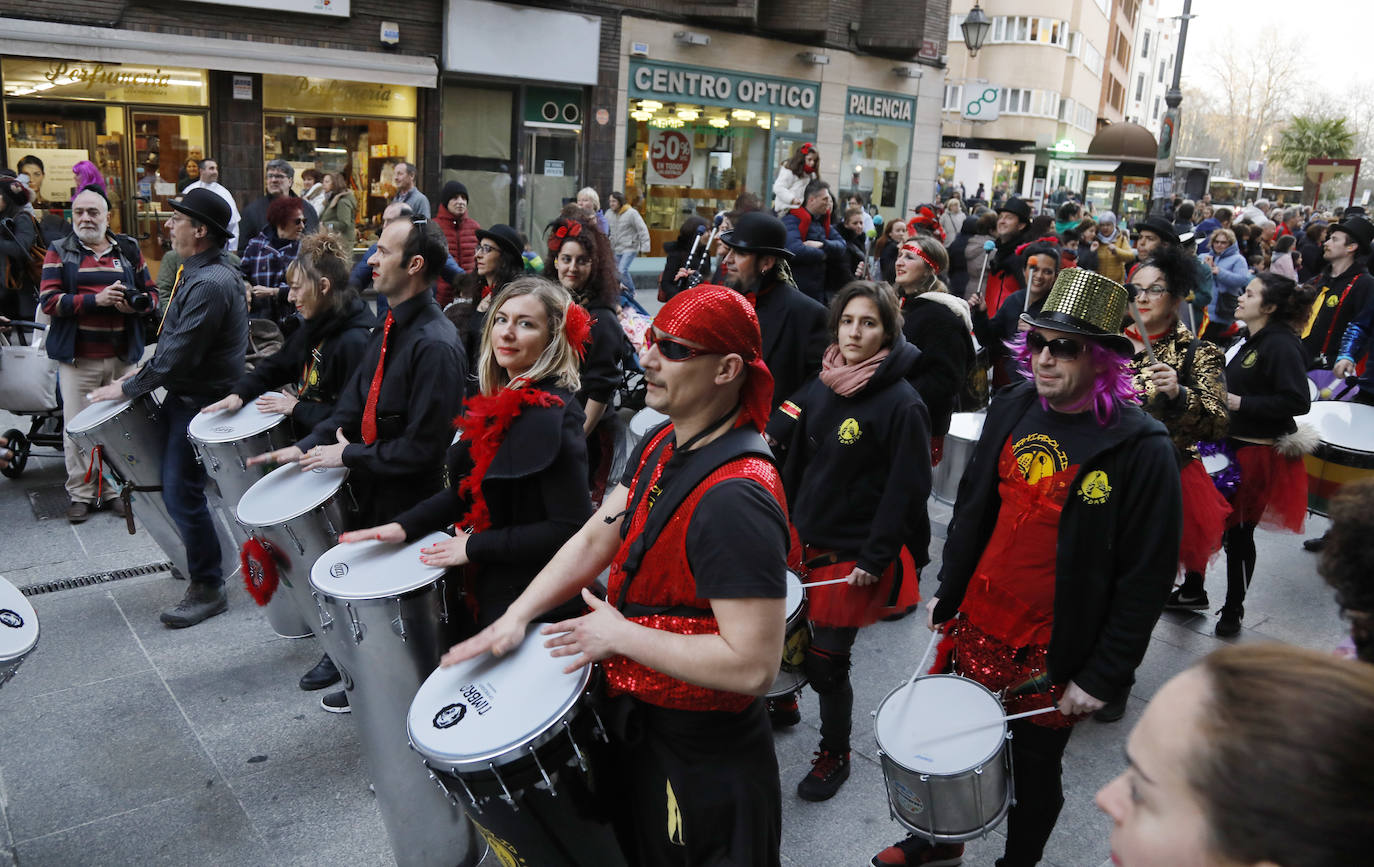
point(945, 754)
point(1346, 452)
point(964, 430)
point(225, 441)
point(18, 629)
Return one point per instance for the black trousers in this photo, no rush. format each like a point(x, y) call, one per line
point(1037, 755)
point(827, 669)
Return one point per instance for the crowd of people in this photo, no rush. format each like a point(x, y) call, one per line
point(809, 364)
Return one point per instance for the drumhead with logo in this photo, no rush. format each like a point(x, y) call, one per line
point(941, 724)
point(287, 493)
point(18, 623)
point(227, 427)
point(374, 570)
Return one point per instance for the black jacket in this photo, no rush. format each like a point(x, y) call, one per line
point(996, 332)
point(1116, 558)
point(857, 469)
point(421, 393)
point(1270, 376)
point(338, 340)
point(794, 337)
point(1335, 308)
point(601, 369)
point(254, 219)
point(536, 493)
point(946, 355)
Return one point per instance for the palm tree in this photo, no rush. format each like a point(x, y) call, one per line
point(1307, 137)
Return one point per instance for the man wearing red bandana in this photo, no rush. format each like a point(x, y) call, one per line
point(692, 629)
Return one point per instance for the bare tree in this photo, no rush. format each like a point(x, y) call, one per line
point(1254, 92)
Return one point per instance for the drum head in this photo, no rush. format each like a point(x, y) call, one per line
point(287, 493)
point(917, 724)
point(1313, 392)
point(966, 426)
point(1348, 426)
point(374, 570)
point(488, 706)
point(227, 427)
point(96, 414)
point(644, 421)
point(796, 594)
point(1215, 463)
point(18, 623)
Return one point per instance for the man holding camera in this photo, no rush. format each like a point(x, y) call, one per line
point(93, 281)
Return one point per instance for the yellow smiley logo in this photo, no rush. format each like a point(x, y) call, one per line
point(1095, 488)
point(849, 432)
point(1332, 301)
point(1250, 358)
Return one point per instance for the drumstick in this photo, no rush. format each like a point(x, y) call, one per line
point(925, 657)
point(980, 726)
point(823, 583)
point(1140, 327)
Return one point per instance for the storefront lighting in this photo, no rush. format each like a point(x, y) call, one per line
point(641, 116)
point(766, 122)
point(688, 113)
point(688, 37)
point(718, 122)
point(650, 105)
point(331, 150)
point(666, 122)
point(742, 114)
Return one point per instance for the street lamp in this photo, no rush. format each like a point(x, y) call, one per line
point(975, 27)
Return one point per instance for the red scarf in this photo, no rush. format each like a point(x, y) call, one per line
point(485, 424)
point(805, 217)
point(844, 378)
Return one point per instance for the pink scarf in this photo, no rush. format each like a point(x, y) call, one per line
point(848, 379)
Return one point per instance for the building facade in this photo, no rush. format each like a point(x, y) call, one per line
point(1124, 16)
point(1152, 67)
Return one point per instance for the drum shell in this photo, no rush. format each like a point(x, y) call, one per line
point(297, 543)
point(958, 451)
point(1330, 468)
point(791, 674)
point(227, 462)
point(131, 442)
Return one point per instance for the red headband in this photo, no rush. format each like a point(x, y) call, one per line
point(565, 230)
point(721, 320)
point(916, 248)
point(805, 149)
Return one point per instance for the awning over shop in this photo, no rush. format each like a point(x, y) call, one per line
point(1109, 166)
point(109, 45)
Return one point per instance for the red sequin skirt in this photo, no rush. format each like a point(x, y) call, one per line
point(1205, 513)
point(1273, 489)
point(970, 652)
point(847, 605)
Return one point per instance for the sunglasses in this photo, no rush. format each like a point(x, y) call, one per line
point(300, 221)
point(1063, 348)
point(672, 350)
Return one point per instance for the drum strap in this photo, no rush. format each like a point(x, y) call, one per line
point(1335, 317)
point(126, 494)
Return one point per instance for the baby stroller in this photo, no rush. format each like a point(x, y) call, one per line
point(28, 387)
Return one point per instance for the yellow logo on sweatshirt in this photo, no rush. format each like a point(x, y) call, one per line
point(850, 432)
point(1095, 488)
point(1249, 360)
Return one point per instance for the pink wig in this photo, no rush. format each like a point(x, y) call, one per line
point(87, 175)
point(1112, 386)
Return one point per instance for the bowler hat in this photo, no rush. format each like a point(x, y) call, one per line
point(1085, 303)
point(505, 237)
point(1161, 227)
point(1359, 229)
point(207, 207)
point(1018, 207)
point(758, 232)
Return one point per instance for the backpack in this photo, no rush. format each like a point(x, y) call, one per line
point(31, 275)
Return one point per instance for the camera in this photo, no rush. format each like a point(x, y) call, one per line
point(141, 302)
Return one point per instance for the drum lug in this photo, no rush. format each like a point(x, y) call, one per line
point(398, 625)
point(507, 797)
point(581, 759)
point(978, 795)
point(329, 525)
point(243, 463)
point(300, 547)
point(443, 600)
point(353, 621)
point(534, 754)
point(600, 726)
point(326, 619)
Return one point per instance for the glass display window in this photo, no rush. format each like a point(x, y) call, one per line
point(1100, 191)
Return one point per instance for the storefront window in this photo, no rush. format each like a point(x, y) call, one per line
point(1006, 177)
point(1135, 199)
point(1101, 190)
point(876, 149)
point(104, 82)
point(359, 130)
point(478, 149)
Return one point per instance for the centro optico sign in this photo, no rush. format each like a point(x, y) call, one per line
point(668, 82)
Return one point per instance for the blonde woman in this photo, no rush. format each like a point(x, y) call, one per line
point(526, 421)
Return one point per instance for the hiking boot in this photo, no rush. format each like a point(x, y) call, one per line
point(201, 602)
point(1314, 545)
point(829, 770)
point(915, 850)
point(78, 512)
point(783, 712)
point(336, 702)
point(1179, 602)
point(1228, 626)
point(323, 674)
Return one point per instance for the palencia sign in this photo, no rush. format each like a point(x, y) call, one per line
point(875, 105)
point(670, 82)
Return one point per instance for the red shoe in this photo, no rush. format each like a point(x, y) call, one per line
point(916, 850)
point(828, 773)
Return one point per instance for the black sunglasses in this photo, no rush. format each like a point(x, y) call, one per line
point(1063, 348)
point(672, 350)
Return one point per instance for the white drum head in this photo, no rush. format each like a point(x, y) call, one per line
point(967, 426)
point(227, 427)
point(917, 725)
point(1348, 426)
point(97, 414)
point(374, 570)
point(287, 493)
point(796, 594)
point(483, 708)
point(18, 623)
point(1214, 464)
point(644, 421)
point(1313, 393)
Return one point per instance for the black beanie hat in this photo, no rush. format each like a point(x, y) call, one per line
point(450, 190)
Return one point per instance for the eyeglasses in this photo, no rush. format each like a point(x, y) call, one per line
point(271, 176)
point(485, 248)
point(580, 261)
point(1063, 348)
point(673, 350)
point(1153, 292)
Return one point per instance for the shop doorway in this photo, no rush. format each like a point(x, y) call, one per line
point(551, 158)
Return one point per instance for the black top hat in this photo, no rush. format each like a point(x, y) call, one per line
point(1088, 304)
point(505, 237)
point(1360, 230)
point(1161, 227)
point(1018, 207)
point(758, 232)
point(207, 207)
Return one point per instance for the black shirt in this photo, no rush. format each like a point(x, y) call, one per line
point(1045, 442)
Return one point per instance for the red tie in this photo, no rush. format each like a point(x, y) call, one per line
point(375, 389)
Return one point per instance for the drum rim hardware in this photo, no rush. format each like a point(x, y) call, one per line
point(198, 428)
point(262, 520)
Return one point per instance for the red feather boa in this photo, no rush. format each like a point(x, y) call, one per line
point(577, 328)
point(259, 570)
point(484, 425)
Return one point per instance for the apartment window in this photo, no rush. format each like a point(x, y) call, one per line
point(1123, 50)
point(1033, 103)
point(1145, 44)
point(955, 34)
point(1085, 121)
point(1140, 87)
point(1154, 115)
point(1161, 72)
point(954, 97)
point(1029, 29)
point(1092, 58)
point(1076, 44)
point(1105, 6)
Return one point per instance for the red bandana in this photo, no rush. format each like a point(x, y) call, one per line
point(485, 424)
point(925, 257)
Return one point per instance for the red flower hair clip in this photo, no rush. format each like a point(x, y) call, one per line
point(577, 328)
point(563, 232)
point(805, 149)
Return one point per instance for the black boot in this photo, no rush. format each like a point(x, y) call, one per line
point(323, 674)
point(202, 601)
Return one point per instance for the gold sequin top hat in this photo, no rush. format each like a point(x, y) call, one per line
point(1085, 303)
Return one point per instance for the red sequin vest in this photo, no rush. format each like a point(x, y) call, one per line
point(665, 581)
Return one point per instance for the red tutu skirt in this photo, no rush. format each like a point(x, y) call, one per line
point(1273, 489)
point(1017, 675)
point(1205, 513)
point(847, 605)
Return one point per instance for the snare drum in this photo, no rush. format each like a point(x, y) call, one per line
point(964, 430)
point(18, 629)
point(511, 738)
point(1214, 464)
point(384, 619)
point(791, 677)
point(644, 421)
point(946, 757)
point(297, 516)
point(225, 441)
point(1346, 452)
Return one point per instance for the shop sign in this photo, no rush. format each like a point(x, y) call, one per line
point(104, 82)
point(670, 155)
point(882, 107)
point(330, 96)
point(334, 8)
point(669, 82)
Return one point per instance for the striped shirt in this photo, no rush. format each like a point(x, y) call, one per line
point(100, 330)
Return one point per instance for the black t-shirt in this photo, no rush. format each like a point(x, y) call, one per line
point(737, 542)
point(1046, 442)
